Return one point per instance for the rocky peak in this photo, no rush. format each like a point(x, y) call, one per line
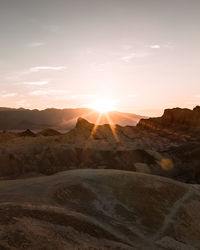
point(27, 132)
point(83, 124)
point(197, 109)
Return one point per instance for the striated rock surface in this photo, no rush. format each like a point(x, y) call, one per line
point(99, 209)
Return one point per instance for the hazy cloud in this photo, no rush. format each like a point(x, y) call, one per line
point(40, 83)
point(168, 45)
point(8, 95)
point(40, 92)
point(40, 68)
point(155, 46)
point(131, 56)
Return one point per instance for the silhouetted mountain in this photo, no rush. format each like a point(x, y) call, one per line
point(61, 119)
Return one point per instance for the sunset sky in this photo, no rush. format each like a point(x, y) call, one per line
point(143, 55)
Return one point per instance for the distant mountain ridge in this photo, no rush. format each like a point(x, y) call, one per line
point(61, 119)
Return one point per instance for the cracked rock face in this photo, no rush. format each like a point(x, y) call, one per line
point(100, 209)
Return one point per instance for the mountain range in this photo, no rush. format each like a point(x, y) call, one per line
point(60, 119)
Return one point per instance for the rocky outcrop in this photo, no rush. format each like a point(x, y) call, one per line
point(174, 119)
point(96, 147)
point(99, 209)
point(108, 136)
point(27, 133)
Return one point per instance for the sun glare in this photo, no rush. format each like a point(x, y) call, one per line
point(103, 105)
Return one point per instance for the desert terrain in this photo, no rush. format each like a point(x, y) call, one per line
point(103, 186)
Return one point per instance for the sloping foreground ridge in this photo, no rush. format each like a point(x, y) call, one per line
point(99, 209)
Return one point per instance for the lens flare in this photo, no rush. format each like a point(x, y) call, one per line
point(166, 164)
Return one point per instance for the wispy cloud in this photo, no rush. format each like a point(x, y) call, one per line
point(35, 44)
point(38, 92)
point(155, 46)
point(41, 68)
point(131, 56)
point(40, 83)
point(6, 95)
point(41, 92)
point(168, 45)
point(21, 75)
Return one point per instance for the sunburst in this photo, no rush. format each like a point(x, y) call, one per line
point(103, 105)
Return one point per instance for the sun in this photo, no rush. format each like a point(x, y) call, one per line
point(103, 105)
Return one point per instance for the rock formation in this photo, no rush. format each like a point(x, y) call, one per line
point(175, 119)
point(103, 146)
point(28, 133)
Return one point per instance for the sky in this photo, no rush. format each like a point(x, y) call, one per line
point(142, 55)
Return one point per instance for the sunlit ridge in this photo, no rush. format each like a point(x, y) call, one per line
point(94, 130)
